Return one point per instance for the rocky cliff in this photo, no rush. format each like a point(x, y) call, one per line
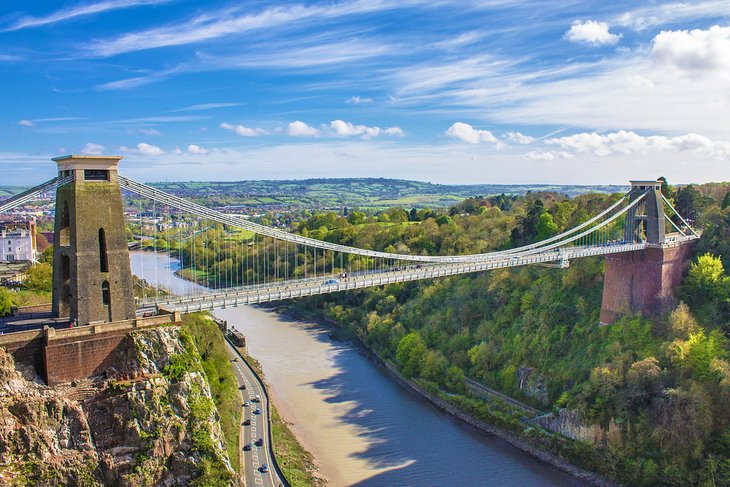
point(151, 421)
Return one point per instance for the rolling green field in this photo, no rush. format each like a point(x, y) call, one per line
point(365, 193)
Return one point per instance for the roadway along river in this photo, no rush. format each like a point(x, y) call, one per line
point(362, 427)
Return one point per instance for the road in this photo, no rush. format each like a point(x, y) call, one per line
point(259, 427)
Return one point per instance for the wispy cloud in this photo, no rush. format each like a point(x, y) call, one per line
point(79, 11)
point(653, 15)
point(137, 81)
point(26, 123)
point(356, 100)
point(231, 21)
point(9, 58)
point(205, 106)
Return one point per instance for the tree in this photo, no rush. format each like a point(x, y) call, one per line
point(411, 353)
point(454, 379)
point(6, 301)
point(356, 217)
point(39, 278)
point(546, 227)
point(725, 201)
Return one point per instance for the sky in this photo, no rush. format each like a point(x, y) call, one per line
point(490, 91)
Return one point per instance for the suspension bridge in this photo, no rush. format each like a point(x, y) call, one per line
point(240, 262)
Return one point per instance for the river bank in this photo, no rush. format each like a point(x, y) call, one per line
point(441, 401)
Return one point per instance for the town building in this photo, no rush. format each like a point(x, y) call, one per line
point(18, 241)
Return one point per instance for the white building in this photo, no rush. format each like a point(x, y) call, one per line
point(17, 241)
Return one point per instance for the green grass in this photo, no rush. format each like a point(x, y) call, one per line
point(223, 384)
point(296, 462)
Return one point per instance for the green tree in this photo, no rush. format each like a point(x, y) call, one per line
point(39, 278)
point(411, 353)
point(546, 227)
point(6, 301)
point(725, 201)
point(454, 379)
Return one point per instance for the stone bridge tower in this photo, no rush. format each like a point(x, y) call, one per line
point(92, 279)
point(643, 281)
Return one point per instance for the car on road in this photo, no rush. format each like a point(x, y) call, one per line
point(247, 447)
point(256, 398)
point(330, 282)
point(246, 422)
point(264, 468)
point(257, 411)
point(242, 387)
point(246, 404)
point(260, 442)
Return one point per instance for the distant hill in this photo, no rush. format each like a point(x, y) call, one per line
point(356, 192)
point(365, 193)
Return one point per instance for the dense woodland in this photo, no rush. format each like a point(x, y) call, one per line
point(660, 387)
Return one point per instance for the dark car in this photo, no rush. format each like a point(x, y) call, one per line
point(247, 422)
point(242, 386)
point(264, 468)
point(260, 442)
point(247, 447)
point(257, 411)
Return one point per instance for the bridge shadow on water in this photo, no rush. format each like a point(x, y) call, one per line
point(408, 441)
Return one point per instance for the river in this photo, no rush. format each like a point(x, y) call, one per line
point(362, 427)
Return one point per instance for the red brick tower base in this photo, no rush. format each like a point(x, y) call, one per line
point(642, 281)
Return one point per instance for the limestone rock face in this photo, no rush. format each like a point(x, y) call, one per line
point(138, 428)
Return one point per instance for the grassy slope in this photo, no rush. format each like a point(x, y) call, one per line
point(217, 367)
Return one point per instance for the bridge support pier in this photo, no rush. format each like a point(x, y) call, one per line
point(642, 281)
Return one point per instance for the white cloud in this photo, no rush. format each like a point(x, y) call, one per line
point(519, 138)
point(467, 133)
point(591, 32)
point(460, 41)
point(150, 131)
point(242, 131)
point(630, 143)
point(78, 11)
point(301, 129)
point(548, 155)
point(206, 106)
point(396, 131)
point(9, 58)
point(197, 150)
point(356, 100)
point(694, 51)
point(26, 123)
point(230, 22)
point(346, 129)
point(144, 149)
point(92, 149)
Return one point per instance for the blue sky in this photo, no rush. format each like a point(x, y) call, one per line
point(492, 91)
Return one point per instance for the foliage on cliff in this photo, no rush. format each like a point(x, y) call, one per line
point(216, 364)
